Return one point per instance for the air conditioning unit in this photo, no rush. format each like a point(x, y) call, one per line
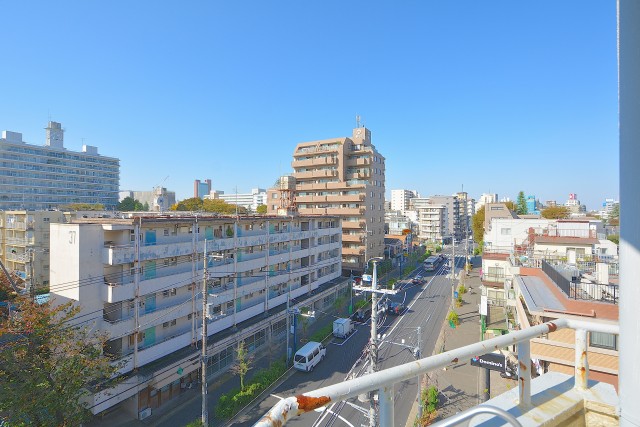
point(144, 414)
point(209, 310)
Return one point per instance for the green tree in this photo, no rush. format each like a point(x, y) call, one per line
point(615, 238)
point(127, 204)
point(46, 366)
point(261, 209)
point(615, 211)
point(145, 207)
point(192, 204)
point(244, 363)
point(82, 207)
point(555, 212)
point(521, 204)
point(477, 225)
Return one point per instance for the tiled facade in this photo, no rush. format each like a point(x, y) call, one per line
point(344, 177)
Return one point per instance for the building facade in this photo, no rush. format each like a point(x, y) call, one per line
point(201, 188)
point(158, 200)
point(344, 177)
point(45, 177)
point(400, 199)
point(251, 201)
point(432, 223)
point(139, 280)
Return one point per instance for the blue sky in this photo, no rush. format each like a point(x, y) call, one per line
point(518, 95)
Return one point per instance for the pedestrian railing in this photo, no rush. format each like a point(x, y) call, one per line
point(383, 381)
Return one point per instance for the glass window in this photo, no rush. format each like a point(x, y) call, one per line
point(603, 340)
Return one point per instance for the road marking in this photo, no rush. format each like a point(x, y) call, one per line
point(348, 338)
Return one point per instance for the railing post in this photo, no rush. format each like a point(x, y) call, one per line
point(582, 365)
point(385, 402)
point(524, 373)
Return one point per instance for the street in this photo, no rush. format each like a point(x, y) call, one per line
point(426, 307)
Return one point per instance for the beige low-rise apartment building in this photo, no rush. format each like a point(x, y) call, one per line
point(343, 177)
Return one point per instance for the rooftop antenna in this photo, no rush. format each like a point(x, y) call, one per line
point(357, 121)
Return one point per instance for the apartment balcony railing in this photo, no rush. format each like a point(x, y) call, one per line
point(383, 381)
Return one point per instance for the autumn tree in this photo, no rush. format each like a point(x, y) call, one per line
point(244, 362)
point(555, 212)
point(477, 225)
point(521, 204)
point(192, 204)
point(46, 366)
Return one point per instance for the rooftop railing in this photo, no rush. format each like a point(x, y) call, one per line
point(383, 381)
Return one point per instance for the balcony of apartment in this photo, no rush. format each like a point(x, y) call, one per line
point(359, 162)
point(353, 251)
point(19, 241)
point(359, 225)
point(346, 198)
point(318, 173)
point(354, 238)
point(356, 183)
point(19, 225)
point(315, 161)
point(311, 199)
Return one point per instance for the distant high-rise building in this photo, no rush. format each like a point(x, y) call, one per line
point(343, 176)
point(400, 199)
point(251, 201)
point(486, 198)
point(45, 177)
point(573, 204)
point(201, 188)
point(533, 205)
point(158, 200)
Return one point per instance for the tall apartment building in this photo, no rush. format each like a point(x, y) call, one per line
point(344, 177)
point(24, 245)
point(486, 198)
point(257, 197)
point(432, 223)
point(139, 281)
point(400, 199)
point(45, 177)
point(201, 189)
point(465, 205)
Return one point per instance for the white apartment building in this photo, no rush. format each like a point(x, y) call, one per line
point(486, 198)
point(400, 199)
point(139, 281)
point(45, 177)
point(432, 223)
point(257, 197)
point(607, 208)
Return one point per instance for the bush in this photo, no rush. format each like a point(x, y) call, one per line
point(452, 317)
point(431, 399)
point(477, 251)
point(462, 290)
point(230, 403)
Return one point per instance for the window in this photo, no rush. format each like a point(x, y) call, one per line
point(603, 340)
point(505, 231)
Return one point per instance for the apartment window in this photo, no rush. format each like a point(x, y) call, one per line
point(274, 195)
point(505, 231)
point(603, 340)
point(166, 232)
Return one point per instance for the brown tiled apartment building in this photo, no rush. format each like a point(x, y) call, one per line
point(344, 177)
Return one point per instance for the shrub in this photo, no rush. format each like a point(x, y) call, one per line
point(322, 333)
point(462, 290)
point(452, 317)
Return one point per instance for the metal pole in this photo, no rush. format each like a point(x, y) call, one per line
point(486, 391)
point(386, 405)
point(582, 365)
point(288, 330)
point(205, 414)
point(524, 366)
point(373, 354)
point(418, 356)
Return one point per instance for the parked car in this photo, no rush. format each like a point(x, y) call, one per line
point(395, 308)
point(361, 315)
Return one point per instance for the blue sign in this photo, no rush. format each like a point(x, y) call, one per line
point(455, 294)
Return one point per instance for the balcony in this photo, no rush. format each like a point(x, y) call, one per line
point(354, 224)
point(346, 198)
point(322, 173)
point(316, 161)
point(553, 401)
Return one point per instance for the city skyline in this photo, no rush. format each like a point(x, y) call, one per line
point(519, 96)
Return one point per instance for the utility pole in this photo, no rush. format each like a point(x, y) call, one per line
point(453, 269)
point(205, 414)
point(373, 351)
point(417, 356)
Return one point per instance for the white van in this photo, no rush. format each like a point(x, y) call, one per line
point(309, 356)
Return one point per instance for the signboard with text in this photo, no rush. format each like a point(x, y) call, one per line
point(492, 361)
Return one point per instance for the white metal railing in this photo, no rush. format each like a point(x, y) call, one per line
point(383, 381)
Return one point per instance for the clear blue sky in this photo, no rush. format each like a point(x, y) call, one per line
point(521, 95)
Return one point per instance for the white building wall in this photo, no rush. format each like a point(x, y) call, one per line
point(505, 232)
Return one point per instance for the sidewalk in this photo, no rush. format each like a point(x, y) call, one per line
point(460, 385)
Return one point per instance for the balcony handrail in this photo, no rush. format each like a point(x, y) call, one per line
point(469, 414)
point(382, 380)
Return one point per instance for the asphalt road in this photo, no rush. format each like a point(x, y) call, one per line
point(426, 307)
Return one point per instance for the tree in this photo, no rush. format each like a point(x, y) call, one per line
point(145, 207)
point(261, 209)
point(46, 366)
point(615, 238)
point(129, 204)
point(192, 204)
point(477, 225)
point(244, 362)
point(555, 212)
point(521, 204)
point(82, 207)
